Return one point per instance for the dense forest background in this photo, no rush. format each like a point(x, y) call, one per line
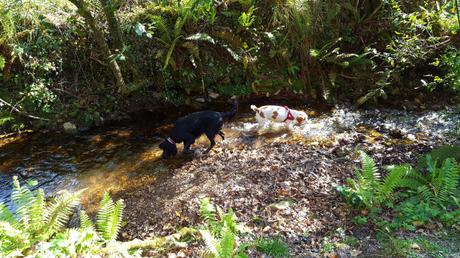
point(89, 61)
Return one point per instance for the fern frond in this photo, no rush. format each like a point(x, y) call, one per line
point(108, 219)
point(412, 179)
point(451, 179)
point(229, 220)
point(369, 168)
point(13, 237)
point(22, 199)
point(7, 230)
point(425, 193)
point(106, 208)
point(211, 243)
point(85, 221)
point(57, 213)
point(208, 213)
point(115, 219)
point(391, 181)
point(6, 215)
point(37, 212)
point(227, 243)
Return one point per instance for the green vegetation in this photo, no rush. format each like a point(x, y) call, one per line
point(87, 61)
point(38, 227)
point(427, 196)
point(430, 195)
point(221, 235)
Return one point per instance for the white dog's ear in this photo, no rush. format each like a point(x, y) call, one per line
point(254, 108)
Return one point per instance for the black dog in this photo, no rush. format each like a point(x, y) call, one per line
point(188, 128)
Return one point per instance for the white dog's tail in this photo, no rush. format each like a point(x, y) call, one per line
point(254, 108)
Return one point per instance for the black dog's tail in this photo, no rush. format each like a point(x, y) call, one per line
point(230, 114)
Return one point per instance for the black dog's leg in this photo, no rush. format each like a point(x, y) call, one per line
point(211, 137)
point(188, 143)
point(222, 135)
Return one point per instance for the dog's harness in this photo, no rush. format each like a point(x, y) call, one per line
point(171, 141)
point(289, 114)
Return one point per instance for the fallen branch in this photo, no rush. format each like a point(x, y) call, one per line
point(156, 243)
point(15, 109)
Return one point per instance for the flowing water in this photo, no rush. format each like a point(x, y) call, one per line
point(121, 158)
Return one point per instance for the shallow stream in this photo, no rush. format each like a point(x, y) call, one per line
point(120, 158)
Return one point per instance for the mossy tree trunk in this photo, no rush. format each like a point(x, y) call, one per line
point(109, 7)
point(101, 41)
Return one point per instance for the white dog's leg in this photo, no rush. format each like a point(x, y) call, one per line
point(260, 120)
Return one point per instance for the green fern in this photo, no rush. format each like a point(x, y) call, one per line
point(451, 180)
point(5, 214)
point(208, 213)
point(220, 230)
point(442, 183)
point(369, 187)
point(412, 179)
point(58, 212)
point(272, 247)
point(227, 243)
point(210, 241)
point(391, 182)
point(368, 174)
point(38, 227)
point(108, 219)
point(12, 238)
point(85, 221)
point(37, 209)
point(22, 199)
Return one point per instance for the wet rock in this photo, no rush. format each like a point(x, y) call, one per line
point(214, 95)
point(201, 100)
point(411, 137)
point(70, 128)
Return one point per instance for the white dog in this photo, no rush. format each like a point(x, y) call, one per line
point(278, 114)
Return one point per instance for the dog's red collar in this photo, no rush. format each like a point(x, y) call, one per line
point(171, 140)
point(289, 114)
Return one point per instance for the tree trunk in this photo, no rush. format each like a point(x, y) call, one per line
point(109, 10)
point(101, 41)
